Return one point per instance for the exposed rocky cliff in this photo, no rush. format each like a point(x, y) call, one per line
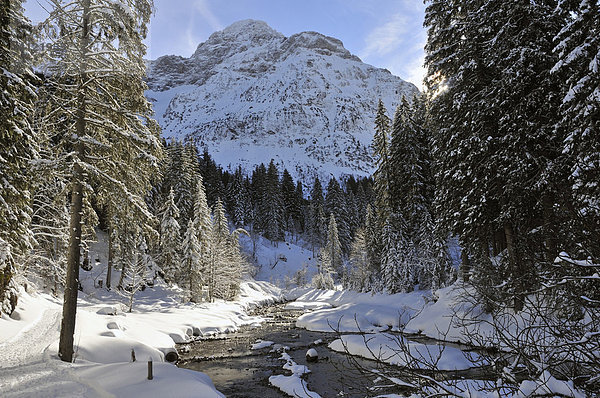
point(249, 94)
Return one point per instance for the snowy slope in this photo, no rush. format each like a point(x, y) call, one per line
point(105, 337)
point(249, 94)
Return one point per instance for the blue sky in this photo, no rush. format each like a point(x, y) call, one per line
point(384, 33)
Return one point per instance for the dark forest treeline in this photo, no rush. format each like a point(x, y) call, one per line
point(266, 201)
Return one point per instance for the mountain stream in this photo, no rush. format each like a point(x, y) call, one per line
point(239, 371)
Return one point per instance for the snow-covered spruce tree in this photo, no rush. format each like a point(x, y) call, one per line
point(225, 262)
point(237, 264)
point(332, 252)
point(360, 270)
point(397, 258)
point(315, 222)
point(96, 67)
point(578, 65)
point(202, 227)
point(374, 247)
point(335, 203)
point(323, 279)
point(169, 260)
point(17, 140)
point(292, 203)
point(496, 56)
point(181, 174)
point(138, 270)
point(188, 177)
point(411, 192)
point(271, 207)
point(299, 208)
point(382, 175)
point(238, 199)
point(191, 258)
point(410, 185)
point(454, 71)
point(382, 206)
point(528, 171)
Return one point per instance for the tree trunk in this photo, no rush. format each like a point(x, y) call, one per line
point(67, 328)
point(549, 229)
point(515, 268)
point(123, 271)
point(499, 242)
point(465, 266)
point(111, 256)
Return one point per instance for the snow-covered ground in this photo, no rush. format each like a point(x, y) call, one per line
point(104, 343)
point(293, 385)
point(278, 263)
point(347, 311)
point(106, 336)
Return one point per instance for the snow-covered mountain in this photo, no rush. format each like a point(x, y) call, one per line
point(249, 94)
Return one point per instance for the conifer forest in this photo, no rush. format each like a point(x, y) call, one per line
point(478, 222)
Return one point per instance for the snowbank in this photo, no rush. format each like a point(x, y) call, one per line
point(293, 385)
point(106, 344)
point(356, 312)
point(130, 380)
point(28, 312)
point(395, 350)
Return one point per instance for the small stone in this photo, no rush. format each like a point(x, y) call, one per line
point(312, 355)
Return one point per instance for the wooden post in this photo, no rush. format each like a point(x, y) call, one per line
point(150, 376)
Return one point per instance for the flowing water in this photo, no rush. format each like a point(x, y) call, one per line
point(238, 371)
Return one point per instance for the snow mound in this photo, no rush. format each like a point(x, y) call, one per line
point(130, 380)
point(356, 312)
point(395, 350)
point(293, 385)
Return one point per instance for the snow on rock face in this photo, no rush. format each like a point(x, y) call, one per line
point(250, 94)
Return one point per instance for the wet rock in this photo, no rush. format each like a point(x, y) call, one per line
point(312, 355)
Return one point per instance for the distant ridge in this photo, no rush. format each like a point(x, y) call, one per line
point(249, 94)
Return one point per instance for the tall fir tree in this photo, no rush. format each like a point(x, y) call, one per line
point(332, 252)
point(381, 150)
point(291, 206)
point(316, 222)
point(374, 246)
point(577, 46)
point(17, 139)
point(97, 74)
point(271, 205)
point(169, 259)
point(360, 270)
point(238, 199)
point(336, 204)
point(192, 261)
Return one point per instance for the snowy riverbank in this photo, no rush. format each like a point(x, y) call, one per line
point(29, 365)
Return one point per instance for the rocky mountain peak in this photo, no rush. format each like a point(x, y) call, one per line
point(319, 43)
point(249, 94)
point(246, 33)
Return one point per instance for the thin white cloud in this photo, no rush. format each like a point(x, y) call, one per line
point(203, 8)
point(397, 44)
point(415, 72)
point(386, 38)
